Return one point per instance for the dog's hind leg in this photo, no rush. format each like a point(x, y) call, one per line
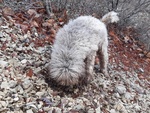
point(103, 56)
point(89, 65)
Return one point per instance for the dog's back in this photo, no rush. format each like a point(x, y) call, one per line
point(81, 35)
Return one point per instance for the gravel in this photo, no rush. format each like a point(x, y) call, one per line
point(24, 88)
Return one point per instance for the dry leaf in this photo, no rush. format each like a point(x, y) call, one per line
point(13, 37)
point(31, 12)
point(148, 55)
point(7, 11)
point(52, 31)
point(60, 20)
point(56, 27)
point(24, 27)
point(29, 73)
point(115, 37)
point(34, 24)
point(141, 77)
point(3, 47)
point(51, 21)
point(46, 24)
point(148, 60)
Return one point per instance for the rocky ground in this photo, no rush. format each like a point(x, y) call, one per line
point(25, 47)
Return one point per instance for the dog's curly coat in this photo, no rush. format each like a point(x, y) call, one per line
point(75, 48)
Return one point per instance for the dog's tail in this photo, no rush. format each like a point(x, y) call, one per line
point(111, 17)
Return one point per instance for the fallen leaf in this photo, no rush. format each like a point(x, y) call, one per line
point(148, 60)
point(31, 12)
point(13, 37)
point(4, 46)
point(56, 27)
point(29, 73)
point(24, 27)
point(51, 21)
point(52, 31)
point(115, 37)
point(46, 24)
point(3, 63)
point(7, 11)
point(49, 38)
point(34, 24)
point(148, 55)
point(60, 20)
point(141, 77)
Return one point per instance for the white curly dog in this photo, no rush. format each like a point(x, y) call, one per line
point(75, 48)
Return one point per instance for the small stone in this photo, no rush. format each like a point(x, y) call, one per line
point(20, 89)
point(3, 63)
point(3, 103)
point(26, 84)
point(79, 107)
point(118, 106)
point(40, 104)
point(121, 89)
point(5, 27)
point(40, 94)
point(23, 61)
point(117, 95)
point(56, 109)
point(19, 48)
point(98, 110)
point(36, 34)
point(29, 111)
point(141, 70)
point(139, 89)
point(4, 85)
point(40, 50)
point(13, 45)
point(3, 39)
point(91, 110)
point(16, 99)
point(2, 93)
point(137, 107)
point(127, 95)
point(46, 109)
point(112, 111)
point(12, 83)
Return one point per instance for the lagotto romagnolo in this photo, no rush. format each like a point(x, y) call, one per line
point(75, 48)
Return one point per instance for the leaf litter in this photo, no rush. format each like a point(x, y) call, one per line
point(26, 41)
